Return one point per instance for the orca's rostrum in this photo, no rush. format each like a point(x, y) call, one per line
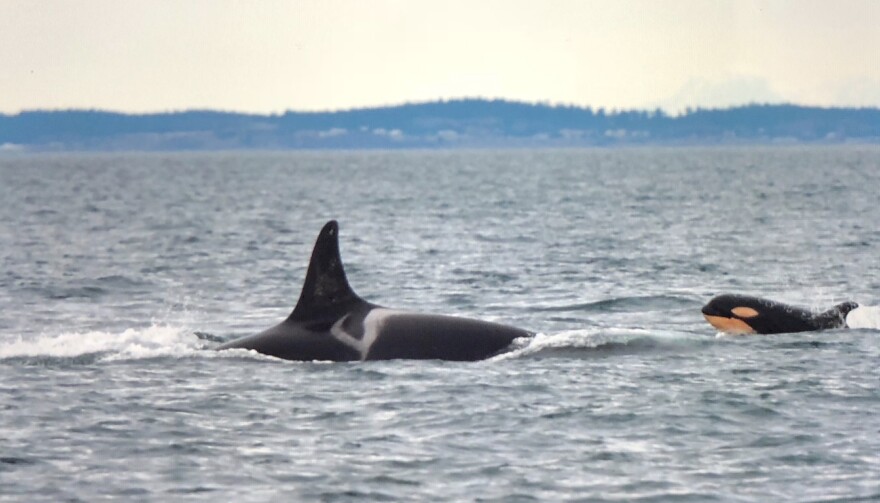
point(332, 323)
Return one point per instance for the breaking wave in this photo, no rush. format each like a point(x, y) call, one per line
point(598, 341)
point(131, 344)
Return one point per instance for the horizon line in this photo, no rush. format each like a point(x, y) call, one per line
point(540, 103)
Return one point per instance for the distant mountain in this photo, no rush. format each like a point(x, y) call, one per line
point(472, 123)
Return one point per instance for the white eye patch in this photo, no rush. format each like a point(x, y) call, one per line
point(744, 312)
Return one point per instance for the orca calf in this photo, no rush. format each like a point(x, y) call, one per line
point(330, 322)
point(741, 314)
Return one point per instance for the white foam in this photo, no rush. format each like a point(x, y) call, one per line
point(526, 346)
point(593, 337)
point(864, 317)
point(133, 343)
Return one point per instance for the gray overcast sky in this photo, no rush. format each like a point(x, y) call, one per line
point(271, 56)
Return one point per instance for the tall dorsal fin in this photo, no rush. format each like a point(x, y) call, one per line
point(326, 286)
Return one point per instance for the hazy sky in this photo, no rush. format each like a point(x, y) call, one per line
point(270, 56)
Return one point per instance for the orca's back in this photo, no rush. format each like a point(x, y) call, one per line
point(428, 337)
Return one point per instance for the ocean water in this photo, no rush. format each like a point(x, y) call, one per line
point(120, 271)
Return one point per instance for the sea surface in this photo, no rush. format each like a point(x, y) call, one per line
point(121, 270)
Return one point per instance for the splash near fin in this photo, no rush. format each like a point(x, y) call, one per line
point(835, 317)
point(326, 288)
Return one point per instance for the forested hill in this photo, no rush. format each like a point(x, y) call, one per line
point(470, 123)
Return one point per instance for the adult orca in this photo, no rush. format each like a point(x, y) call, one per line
point(742, 314)
point(330, 322)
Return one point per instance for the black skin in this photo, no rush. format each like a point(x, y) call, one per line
point(775, 317)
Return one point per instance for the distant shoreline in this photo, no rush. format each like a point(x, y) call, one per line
point(457, 124)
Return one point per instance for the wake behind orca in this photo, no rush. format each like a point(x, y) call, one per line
point(741, 314)
point(331, 322)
